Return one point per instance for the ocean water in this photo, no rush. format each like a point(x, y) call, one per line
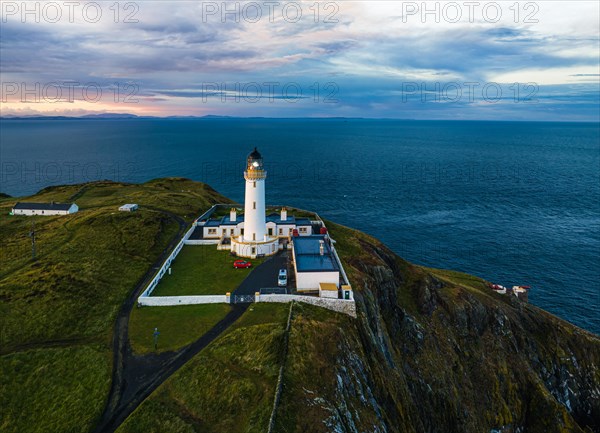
point(513, 202)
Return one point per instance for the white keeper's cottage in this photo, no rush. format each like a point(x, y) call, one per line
point(52, 208)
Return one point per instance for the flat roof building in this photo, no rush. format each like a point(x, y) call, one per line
point(314, 262)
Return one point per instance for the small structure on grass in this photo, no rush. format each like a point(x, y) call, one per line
point(129, 207)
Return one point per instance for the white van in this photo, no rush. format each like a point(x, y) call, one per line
point(282, 279)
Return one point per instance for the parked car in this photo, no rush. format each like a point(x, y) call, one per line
point(282, 278)
point(241, 264)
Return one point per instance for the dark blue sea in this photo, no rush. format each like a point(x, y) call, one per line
point(513, 202)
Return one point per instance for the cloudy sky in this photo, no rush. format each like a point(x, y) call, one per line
point(434, 60)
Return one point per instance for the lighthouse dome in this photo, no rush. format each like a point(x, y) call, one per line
point(255, 154)
point(255, 160)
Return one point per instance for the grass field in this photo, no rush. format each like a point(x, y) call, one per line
point(57, 312)
point(202, 270)
point(228, 387)
point(54, 390)
point(178, 326)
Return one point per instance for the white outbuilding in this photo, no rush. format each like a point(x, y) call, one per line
point(52, 208)
point(129, 207)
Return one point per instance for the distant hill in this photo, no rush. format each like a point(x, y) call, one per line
point(109, 116)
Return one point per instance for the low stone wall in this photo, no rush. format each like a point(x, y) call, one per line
point(340, 305)
point(163, 301)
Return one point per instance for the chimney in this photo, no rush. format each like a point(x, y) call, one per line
point(283, 214)
point(321, 248)
point(233, 215)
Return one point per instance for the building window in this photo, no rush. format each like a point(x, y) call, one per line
point(270, 232)
point(231, 231)
point(253, 205)
point(242, 232)
point(302, 229)
point(253, 250)
point(280, 231)
point(212, 231)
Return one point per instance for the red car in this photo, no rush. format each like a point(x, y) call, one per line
point(241, 264)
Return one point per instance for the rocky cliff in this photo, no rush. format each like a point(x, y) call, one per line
point(437, 351)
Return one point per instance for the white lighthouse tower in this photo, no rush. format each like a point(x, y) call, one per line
point(255, 224)
point(255, 241)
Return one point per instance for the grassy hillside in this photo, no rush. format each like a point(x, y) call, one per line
point(431, 350)
point(57, 312)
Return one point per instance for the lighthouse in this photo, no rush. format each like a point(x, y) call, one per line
point(255, 240)
point(255, 227)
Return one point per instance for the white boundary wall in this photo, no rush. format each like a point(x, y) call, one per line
point(202, 242)
point(167, 263)
point(340, 305)
point(163, 301)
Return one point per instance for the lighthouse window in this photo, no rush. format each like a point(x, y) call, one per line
point(253, 236)
point(254, 205)
point(254, 184)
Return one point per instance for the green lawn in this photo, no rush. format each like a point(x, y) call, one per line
point(178, 326)
point(202, 270)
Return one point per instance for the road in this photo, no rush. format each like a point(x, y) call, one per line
point(135, 377)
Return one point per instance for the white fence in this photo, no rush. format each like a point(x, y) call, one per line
point(339, 305)
point(163, 301)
